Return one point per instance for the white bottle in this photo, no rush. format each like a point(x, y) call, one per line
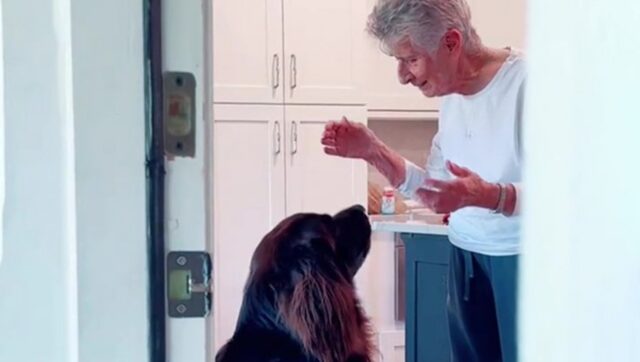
point(388, 205)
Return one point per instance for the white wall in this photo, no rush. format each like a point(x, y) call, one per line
point(73, 273)
point(1, 134)
point(412, 139)
point(581, 259)
point(108, 82)
point(38, 270)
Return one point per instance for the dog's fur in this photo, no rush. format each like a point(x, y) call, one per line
point(299, 301)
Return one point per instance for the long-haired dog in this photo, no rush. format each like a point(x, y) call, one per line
point(299, 301)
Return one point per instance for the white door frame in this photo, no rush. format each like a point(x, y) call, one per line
point(185, 47)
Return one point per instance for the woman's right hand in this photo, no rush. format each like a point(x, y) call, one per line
point(348, 139)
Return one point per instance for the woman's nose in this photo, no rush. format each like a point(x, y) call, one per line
point(404, 76)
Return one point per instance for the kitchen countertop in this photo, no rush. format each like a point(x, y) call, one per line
point(412, 222)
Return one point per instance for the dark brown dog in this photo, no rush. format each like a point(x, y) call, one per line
point(299, 301)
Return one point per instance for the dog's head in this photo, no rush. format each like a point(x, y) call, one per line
point(302, 272)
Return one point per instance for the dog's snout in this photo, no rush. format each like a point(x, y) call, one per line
point(359, 207)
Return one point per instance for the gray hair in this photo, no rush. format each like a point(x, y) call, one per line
point(423, 22)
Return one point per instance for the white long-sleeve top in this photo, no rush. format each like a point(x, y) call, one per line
point(483, 133)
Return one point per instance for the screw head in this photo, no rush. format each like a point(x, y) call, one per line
point(181, 261)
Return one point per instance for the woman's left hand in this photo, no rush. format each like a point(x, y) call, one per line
point(467, 189)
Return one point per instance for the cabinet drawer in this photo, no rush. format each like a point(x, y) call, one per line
point(427, 248)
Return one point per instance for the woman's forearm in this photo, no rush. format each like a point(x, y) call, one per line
point(388, 162)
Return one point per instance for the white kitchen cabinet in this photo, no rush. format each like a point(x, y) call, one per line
point(317, 182)
point(247, 51)
point(293, 51)
point(249, 198)
point(392, 346)
point(268, 163)
point(377, 289)
point(323, 51)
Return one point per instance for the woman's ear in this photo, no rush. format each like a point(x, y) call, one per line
point(452, 40)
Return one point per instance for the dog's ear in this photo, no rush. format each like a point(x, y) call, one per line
point(321, 312)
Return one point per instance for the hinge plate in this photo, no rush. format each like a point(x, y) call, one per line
point(188, 281)
point(179, 114)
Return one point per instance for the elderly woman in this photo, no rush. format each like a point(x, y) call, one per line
point(474, 167)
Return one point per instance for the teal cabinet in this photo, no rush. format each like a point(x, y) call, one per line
point(427, 265)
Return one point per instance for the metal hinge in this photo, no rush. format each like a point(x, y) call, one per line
point(179, 114)
point(188, 282)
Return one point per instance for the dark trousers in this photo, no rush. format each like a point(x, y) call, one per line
point(482, 307)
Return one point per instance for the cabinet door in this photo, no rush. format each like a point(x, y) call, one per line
point(247, 51)
point(248, 187)
point(323, 51)
point(317, 182)
point(500, 23)
point(427, 327)
point(383, 89)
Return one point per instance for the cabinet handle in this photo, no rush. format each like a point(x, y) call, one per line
point(294, 137)
point(276, 136)
point(275, 71)
point(293, 71)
